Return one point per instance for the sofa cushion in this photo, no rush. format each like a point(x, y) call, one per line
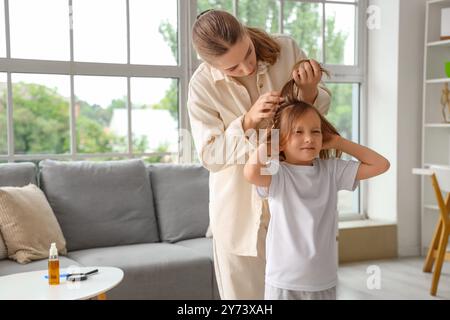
point(181, 197)
point(8, 267)
point(154, 271)
point(17, 174)
point(100, 204)
point(3, 250)
point(28, 224)
point(204, 247)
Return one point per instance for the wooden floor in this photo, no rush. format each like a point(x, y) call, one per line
point(400, 279)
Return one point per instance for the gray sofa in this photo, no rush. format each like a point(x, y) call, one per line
point(148, 220)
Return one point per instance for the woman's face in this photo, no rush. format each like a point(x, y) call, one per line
point(305, 141)
point(239, 61)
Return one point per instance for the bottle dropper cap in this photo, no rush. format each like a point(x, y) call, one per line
point(53, 249)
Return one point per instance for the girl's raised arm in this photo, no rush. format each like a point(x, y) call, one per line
point(254, 168)
point(372, 163)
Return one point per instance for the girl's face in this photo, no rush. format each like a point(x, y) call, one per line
point(305, 141)
point(239, 61)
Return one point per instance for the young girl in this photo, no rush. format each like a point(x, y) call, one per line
point(301, 248)
point(231, 95)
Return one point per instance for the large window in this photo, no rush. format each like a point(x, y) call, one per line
point(107, 79)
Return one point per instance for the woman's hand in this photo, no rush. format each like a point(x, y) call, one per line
point(307, 76)
point(331, 141)
point(264, 108)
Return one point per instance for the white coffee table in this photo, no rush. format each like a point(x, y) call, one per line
point(34, 286)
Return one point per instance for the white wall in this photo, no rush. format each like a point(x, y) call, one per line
point(395, 66)
point(382, 99)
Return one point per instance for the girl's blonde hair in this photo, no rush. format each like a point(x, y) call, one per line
point(293, 109)
point(215, 32)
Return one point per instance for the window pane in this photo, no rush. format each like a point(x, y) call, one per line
point(41, 113)
point(203, 5)
point(343, 114)
point(2, 30)
point(3, 115)
point(100, 31)
point(154, 115)
point(266, 17)
point(344, 105)
point(39, 29)
point(97, 101)
point(153, 27)
point(303, 21)
point(340, 34)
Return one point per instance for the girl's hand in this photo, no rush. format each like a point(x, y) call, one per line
point(265, 107)
point(331, 141)
point(307, 76)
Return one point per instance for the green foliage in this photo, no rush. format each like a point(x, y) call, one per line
point(159, 158)
point(93, 138)
point(335, 43)
point(170, 100)
point(41, 119)
point(41, 123)
point(267, 18)
point(95, 112)
point(170, 36)
point(340, 113)
point(303, 21)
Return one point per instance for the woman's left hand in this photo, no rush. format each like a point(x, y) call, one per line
point(307, 76)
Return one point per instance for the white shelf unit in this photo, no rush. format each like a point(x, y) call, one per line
point(435, 131)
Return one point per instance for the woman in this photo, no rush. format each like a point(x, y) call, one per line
point(233, 93)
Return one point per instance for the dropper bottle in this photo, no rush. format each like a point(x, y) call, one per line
point(53, 265)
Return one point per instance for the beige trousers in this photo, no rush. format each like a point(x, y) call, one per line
point(242, 277)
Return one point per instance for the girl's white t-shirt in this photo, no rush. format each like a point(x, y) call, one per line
point(301, 247)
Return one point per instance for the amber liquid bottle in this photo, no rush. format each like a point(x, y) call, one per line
point(53, 265)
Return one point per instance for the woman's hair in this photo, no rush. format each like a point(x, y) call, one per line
point(293, 109)
point(216, 31)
